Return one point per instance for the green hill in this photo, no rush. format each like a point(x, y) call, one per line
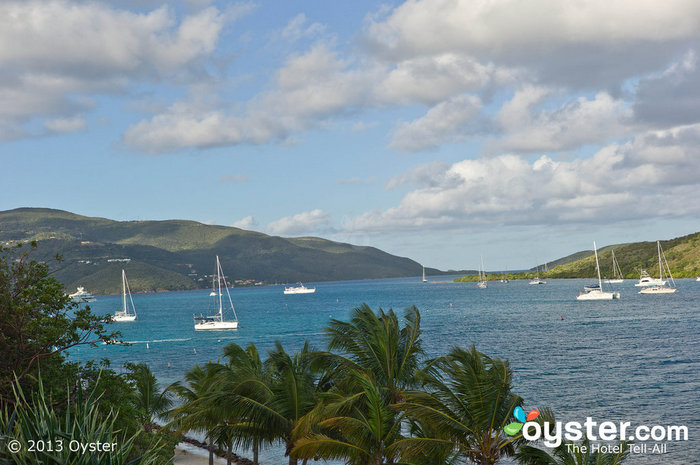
point(682, 253)
point(177, 254)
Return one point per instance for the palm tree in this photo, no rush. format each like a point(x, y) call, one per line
point(147, 398)
point(268, 404)
point(244, 374)
point(466, 404)
point(197, 412)
point(378, 361)
point(375, 344)
point(359, 427)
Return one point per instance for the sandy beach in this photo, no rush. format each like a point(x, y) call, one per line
point(187, 454)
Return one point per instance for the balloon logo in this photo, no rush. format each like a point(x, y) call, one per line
point(514, 428)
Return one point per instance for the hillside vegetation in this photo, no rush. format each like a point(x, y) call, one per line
point(682, 253)
point(177, 254)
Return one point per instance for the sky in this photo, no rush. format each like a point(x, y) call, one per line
point(440, 130)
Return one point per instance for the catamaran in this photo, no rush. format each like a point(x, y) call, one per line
point(217, 322)
point(617, 272)
point(596, 292)
point(124, 314)
point(661, 288)
point(300, 289)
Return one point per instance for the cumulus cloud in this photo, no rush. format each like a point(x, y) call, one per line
point(69, 124)
point(620, 182)
point(567, 62)
point(309, 88)
point(578, 122)
point(299, 28)
point(313, 221)
point(672, 97)
point(249, 223)
point(55, 54)
point(445, 122)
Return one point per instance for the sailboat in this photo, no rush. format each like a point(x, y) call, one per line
point(424, 280)
point(537, 279)
point(596, 292)
point(217, 322)
point(661, 288)
point(482, 276)
point(617, 272)
point(124, 314)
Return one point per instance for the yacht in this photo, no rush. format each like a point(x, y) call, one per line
point(300, 289)
point(82, 296)
point(646, 280)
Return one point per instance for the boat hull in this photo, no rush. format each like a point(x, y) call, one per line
point(216, 325)
point(654, 282)
point(117, 317)
point(613, 281)
point(658, 290)
point(300, 291)
point(598, 295)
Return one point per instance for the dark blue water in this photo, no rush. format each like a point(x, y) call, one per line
point(636, 359)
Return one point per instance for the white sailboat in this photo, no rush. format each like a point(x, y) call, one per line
point(482, 276)
point(597, 293)
point(617, 272)
point(300, 289)
point(124, 314)
point(217, 322)
point(424, 280)
point(661, 288)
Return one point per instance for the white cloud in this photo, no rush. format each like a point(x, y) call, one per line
point(248, 223)
point(656, 170)
point(445, 122)
point(432, 79)
point(56, 54)
point(303, 223)
point(434, 26)
point(299, 28)
point(69, 124)
point(578, 122)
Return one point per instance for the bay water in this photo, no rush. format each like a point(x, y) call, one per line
point(636, 359)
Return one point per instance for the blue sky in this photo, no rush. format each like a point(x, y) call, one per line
point(438, 130)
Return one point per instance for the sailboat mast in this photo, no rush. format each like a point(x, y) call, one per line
point(597, 267)
point(661, 273)
point(123, 291)
point(218, 276)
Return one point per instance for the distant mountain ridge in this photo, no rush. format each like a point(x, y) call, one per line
point(179, 254)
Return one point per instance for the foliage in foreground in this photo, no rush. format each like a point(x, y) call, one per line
point(83, 435)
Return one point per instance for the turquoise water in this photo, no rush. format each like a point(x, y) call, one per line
point(636, 359)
